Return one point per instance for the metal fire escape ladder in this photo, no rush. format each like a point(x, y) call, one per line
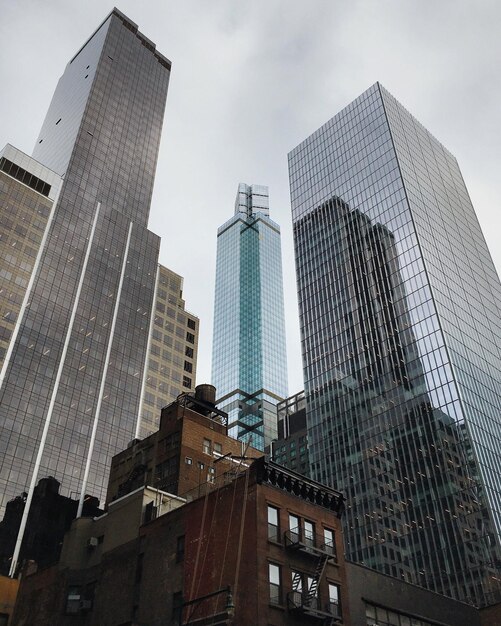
point(296, 581)
point(317, 577)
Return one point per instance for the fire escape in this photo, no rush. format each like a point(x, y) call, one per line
point(304, 599)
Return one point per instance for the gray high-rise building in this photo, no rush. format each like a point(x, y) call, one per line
point(249, 365)
point(400, 310)
point(83, 281)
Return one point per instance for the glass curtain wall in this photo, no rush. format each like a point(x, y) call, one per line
point(387, 244)
point(249, 367)
point(93, 291)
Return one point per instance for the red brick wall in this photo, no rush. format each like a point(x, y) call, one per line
point(219, 527)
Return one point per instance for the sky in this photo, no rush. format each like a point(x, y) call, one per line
point(250, 80)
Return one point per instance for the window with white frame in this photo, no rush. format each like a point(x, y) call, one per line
point(274, 577)
point(273, 524)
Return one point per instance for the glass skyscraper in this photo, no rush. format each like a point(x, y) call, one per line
point(249, 365)
point(79, 297)
point(400, 310)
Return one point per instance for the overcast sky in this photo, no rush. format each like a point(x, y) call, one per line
point(250, 80)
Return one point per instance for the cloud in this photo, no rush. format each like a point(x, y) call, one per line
point(252, 79)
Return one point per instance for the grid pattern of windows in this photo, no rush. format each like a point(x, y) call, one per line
point(171, 354)
point(290, 449)
point(24, 218)
point(249, 367)
point(399, 308)
point(379, 616)
point(102, 132)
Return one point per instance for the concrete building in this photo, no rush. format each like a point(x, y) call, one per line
point(172, 351)
point(249, 364)
point(379, 600)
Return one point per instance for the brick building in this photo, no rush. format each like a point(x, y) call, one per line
point(192, 561)
point(190, 448)
point(155, 556)
point(251, 544)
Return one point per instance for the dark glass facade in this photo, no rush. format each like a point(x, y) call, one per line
point(400, 317)
point(290, 449)
point(71, 393)
point(249, 364)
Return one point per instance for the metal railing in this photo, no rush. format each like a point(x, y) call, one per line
point(309, 542)
point(302, 601)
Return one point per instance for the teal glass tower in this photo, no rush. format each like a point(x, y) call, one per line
point(249, 365)
point(400, 310)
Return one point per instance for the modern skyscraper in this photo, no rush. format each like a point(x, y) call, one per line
point(400, 311)
point(249, 366)
point(84, 282)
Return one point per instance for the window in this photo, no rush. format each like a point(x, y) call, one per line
point(150, 512)
point(206, 446)
point(302, 586)
point(333, 606)
point(294, 528)
point(73, 600)
point(329, 544)
point(309, 533)
point(90, 592)
point(297, 581)
point(273, 525)
point(218, 448)
point(274, 580)
point(188, 460)
point(191, 324)
point(190, 337)
point(313, 599)
point(166, 469)
point(139, 568)
point(188, 367)
point(187, 382)
point(177, 608)
point(180, 549)
point(188, 352)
